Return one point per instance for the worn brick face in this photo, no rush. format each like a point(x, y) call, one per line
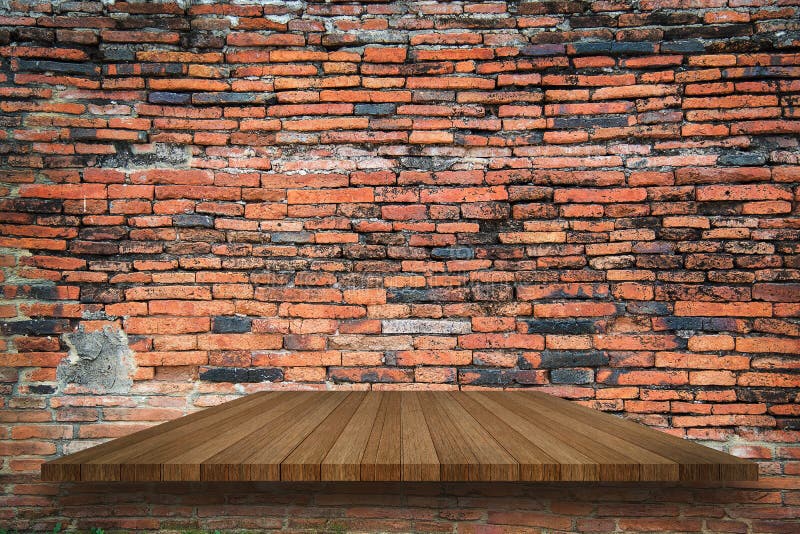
point(594, 199)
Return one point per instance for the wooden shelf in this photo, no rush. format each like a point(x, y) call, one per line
point(393, 436)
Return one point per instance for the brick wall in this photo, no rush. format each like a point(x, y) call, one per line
point(597, 199)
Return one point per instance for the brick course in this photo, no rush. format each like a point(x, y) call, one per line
point(594, 199)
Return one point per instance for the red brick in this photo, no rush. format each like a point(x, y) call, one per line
point(434, 357)
point(430, 137)
point(711, 343)
point(634, 342)
point(63, 191)
point(723, 309)
point(239, 341)
point(574, 309)
point(464, 194)
point(530, 519)
point(384, 55)
point(166, 325)
point(485, 341)
point(314, 125)
point(329, 196)
point(768, 344)
point(742, 192)
point(601, 196)
point(459, 82)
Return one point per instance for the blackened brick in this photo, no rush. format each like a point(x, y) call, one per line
point(571, 376)
point(561, 326)
point(191, 219)
point(241, 375)
point(224, 324)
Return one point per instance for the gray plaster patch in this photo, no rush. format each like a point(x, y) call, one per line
point(433, 163)
point(100, 360)
point(425, 326)
point(145, 157)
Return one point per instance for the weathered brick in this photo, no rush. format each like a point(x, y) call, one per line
point(239, 375)
point(424, 326)
point(231, 324)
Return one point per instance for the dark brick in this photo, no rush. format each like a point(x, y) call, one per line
point(233, 98)
point(485, 377)
point(426, 295)
point(41, 389)
point(428, 163)
point(453, 253)
point(83, 134)
point(40, 292)
point(492, 292)
point(770, 395)
point(571, 376)
point(593, 47)
point(742, 159)
point(546, 8)
point(114, 53)
point(160, 97)
point(32, 205)
point(241, 375)
point(708, 32)
point(592, 21)
point(291, 237)
point(551, 359)
point(158, 155)
point(101, 294)
point(39, 35)
point(57, 66)
point(719, 208)
point(224, 324)
point(553, 49)
point(191, 219)
point(682, 47)
point(603, 121)
point(375, 109)
point(35, 327)
point(561, 326)
point(633, 47)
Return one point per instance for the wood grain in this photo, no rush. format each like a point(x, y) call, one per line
point(382, 455)
point(393, 436)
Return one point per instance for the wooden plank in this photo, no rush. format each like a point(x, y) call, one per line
point(69, 466)
point(632, 461)
point(420, 461)
point(382, 457)
point(455, 457)
point(138, 460)
point(233, 430)
point(466, 451)
point(611, 463)
point(135, 443)
point(258, 455)
point(534, 463)
point(343, 460)
point(391, 436)
point(696, 463)
point(159, 457)
point(572, 463)
point(494, 461)
point(304, 462)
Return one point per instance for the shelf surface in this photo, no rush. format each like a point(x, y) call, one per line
point(399, 436)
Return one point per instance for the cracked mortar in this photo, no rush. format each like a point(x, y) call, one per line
point(99, 360)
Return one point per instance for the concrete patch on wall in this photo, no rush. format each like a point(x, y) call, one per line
point(425, 326)
point(145, 156)
point(99, 360)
